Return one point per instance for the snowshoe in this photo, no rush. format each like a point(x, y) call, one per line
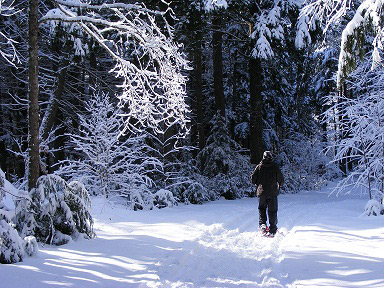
point(264, 230)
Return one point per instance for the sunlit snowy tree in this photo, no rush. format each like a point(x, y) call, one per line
point(356, 110)
point(362, 117)
point(152, 83)
point(367, 20)
point(108, 162)
point(154, 75)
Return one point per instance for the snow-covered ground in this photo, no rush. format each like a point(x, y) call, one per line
point(323, 242)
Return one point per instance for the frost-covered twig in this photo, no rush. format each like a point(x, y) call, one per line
point(153, 85)
point(7, 45)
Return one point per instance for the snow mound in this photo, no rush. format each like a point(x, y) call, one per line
point(164, 198)
point(373, 207)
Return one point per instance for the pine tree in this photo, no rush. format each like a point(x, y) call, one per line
point(227, 170)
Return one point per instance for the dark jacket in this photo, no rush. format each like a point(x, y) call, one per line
point(268, 178)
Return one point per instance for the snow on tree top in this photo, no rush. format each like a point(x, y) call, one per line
point(211, 5)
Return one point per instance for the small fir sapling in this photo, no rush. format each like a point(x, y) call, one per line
point(30, 245)
point(191, 187)
point(140, 199)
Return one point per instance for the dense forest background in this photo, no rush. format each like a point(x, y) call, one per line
point(258, 75)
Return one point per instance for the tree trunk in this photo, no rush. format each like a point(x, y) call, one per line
point(235, 101)
point(198, 80)
point(256, 114)
point(54, 103)
point(344, 164)
point(218, 63)
point(34, 157)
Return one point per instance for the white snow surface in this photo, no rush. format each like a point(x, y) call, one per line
point(324, 241)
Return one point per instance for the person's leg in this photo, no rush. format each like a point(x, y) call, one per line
point(262, 210)
point(272, 214)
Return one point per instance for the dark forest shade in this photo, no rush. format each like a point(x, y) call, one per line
point(34, 157)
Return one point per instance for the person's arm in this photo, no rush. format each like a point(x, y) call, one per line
point(255, 176)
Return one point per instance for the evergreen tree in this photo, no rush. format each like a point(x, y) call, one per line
point(11, 245)
point(227, 170)
point(55, 212)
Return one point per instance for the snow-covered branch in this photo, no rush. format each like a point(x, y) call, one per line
point(367, 19)
point(147, 60)
point(7, 45)
point(211, 5)
point(362, 121)
point(327, 11)
point(268, 28)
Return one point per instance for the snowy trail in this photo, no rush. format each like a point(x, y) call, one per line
point(323, 242)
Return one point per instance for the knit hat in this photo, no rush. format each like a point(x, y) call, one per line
point(267, 155)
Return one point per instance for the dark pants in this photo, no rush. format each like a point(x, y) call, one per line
point(270, 203)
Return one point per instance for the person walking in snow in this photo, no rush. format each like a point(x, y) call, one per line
point(268, 179)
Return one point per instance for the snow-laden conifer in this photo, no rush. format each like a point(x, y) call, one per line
point(58, 212)
point(268, 28)
point(164, 198)
point(366, 21)
point(220, 160)
point(211, 5)
point(373, 208)
point(11, 245)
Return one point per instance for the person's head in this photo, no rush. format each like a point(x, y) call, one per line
point(267, 156)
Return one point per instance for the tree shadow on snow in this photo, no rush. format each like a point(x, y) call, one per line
point(334, 269)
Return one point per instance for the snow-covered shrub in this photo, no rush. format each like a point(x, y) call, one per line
point(107, 162)
point(56, 209)
point(11, 245)
point(190, 187)
point(164, 198)
point(30, 245)
point(25, 218)
point(196, 193)
point(373, 207)
point(11, 248)
point(140, 199)
point(227, 170)
point(304, 164)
